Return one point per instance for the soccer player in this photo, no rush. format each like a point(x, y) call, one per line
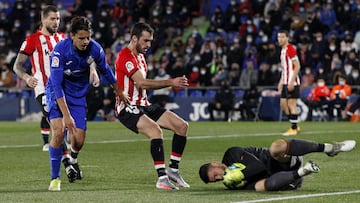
point(269, 169)
point(289, 84)
point(38, 47)
point(142, 117)
point(66, 93)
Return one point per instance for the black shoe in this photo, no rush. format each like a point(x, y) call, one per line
point(71, 173)
point(79, 174)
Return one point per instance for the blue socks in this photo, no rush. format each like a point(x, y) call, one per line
point(55, 155)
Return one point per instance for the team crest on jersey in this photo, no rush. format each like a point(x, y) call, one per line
point(90, 60)
point(55, 62)
point(129, 66)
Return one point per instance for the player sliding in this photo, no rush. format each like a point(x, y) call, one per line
point(277, 168)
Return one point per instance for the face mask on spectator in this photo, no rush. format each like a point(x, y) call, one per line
point(355, 75)
point(341, 82)
point(348, 69)
point(332, 47)
point(320, 84)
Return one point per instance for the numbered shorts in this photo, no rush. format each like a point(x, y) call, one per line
point(41, 99)
point(130, 115)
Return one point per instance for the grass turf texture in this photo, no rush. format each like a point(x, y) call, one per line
point(117, 165)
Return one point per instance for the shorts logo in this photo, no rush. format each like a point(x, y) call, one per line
point(129, 66)
point(55, 62)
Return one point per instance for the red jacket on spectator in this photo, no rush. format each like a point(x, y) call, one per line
point(319, 92)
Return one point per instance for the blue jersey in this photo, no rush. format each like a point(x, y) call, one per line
point(70, 69)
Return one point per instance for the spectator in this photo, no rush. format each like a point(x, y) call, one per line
point(318, 98)
point(7, 78)
point(224, 101)
point(161, 96)
point(339, 96)
point(353, 79)
point(265, 75)
point(307, 79)
point(234, 74)
point(248, 77)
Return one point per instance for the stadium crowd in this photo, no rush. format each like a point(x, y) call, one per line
point(212, 41)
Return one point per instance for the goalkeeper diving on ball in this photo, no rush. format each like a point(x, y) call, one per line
point(279, 167)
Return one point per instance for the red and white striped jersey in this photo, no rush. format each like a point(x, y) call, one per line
point(39, 47)
point(125, 66)
point(287, 56)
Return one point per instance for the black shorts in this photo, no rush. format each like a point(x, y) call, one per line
point(41, 99)
point(130, 115)
point(295, 94)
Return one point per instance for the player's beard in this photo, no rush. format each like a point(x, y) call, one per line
point(139, 49)
point(51, 30)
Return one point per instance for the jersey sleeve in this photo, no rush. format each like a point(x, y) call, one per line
point(28, 45)
point(291, 52)
point(126, 64)
point(102, 66)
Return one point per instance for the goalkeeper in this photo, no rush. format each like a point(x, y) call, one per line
point(269, 169)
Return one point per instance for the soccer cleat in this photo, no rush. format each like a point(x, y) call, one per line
point(176, 177)
point(290, 132)
point(45, 147)
point(79, 174)
point(310, 167)
point(298, 129)
point(71, 173)
point(55, 185)
point(165, 184)
point(343, 146)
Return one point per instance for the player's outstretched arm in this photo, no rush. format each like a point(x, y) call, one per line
point(144, 83)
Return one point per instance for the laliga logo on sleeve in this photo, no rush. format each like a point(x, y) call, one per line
point(129, 66)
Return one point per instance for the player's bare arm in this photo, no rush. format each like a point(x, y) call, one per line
point(94, 77)
point(144, 83)
point(296, 72)
point(120, 94)
point(20, 71)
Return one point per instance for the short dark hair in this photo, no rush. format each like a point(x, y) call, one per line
point(50, 8)
point(138, 28)
point(284, 32)
point(203, 172)
point(80, 23)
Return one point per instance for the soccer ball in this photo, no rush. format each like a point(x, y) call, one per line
point(234, 177)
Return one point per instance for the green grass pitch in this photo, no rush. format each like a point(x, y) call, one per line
point(117, 165)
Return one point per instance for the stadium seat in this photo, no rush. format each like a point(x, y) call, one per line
point(195, 93)
point(210, 93)
point(180, 93)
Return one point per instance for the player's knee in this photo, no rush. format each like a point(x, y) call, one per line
point(182, 128)
point(260, 185)
point(278, 149)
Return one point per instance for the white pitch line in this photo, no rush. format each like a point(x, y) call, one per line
point(189, 137)
point(300, 196)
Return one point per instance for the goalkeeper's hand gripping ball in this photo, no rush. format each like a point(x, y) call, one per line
point(233, 176)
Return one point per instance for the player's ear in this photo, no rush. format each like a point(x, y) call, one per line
point(134, 38)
